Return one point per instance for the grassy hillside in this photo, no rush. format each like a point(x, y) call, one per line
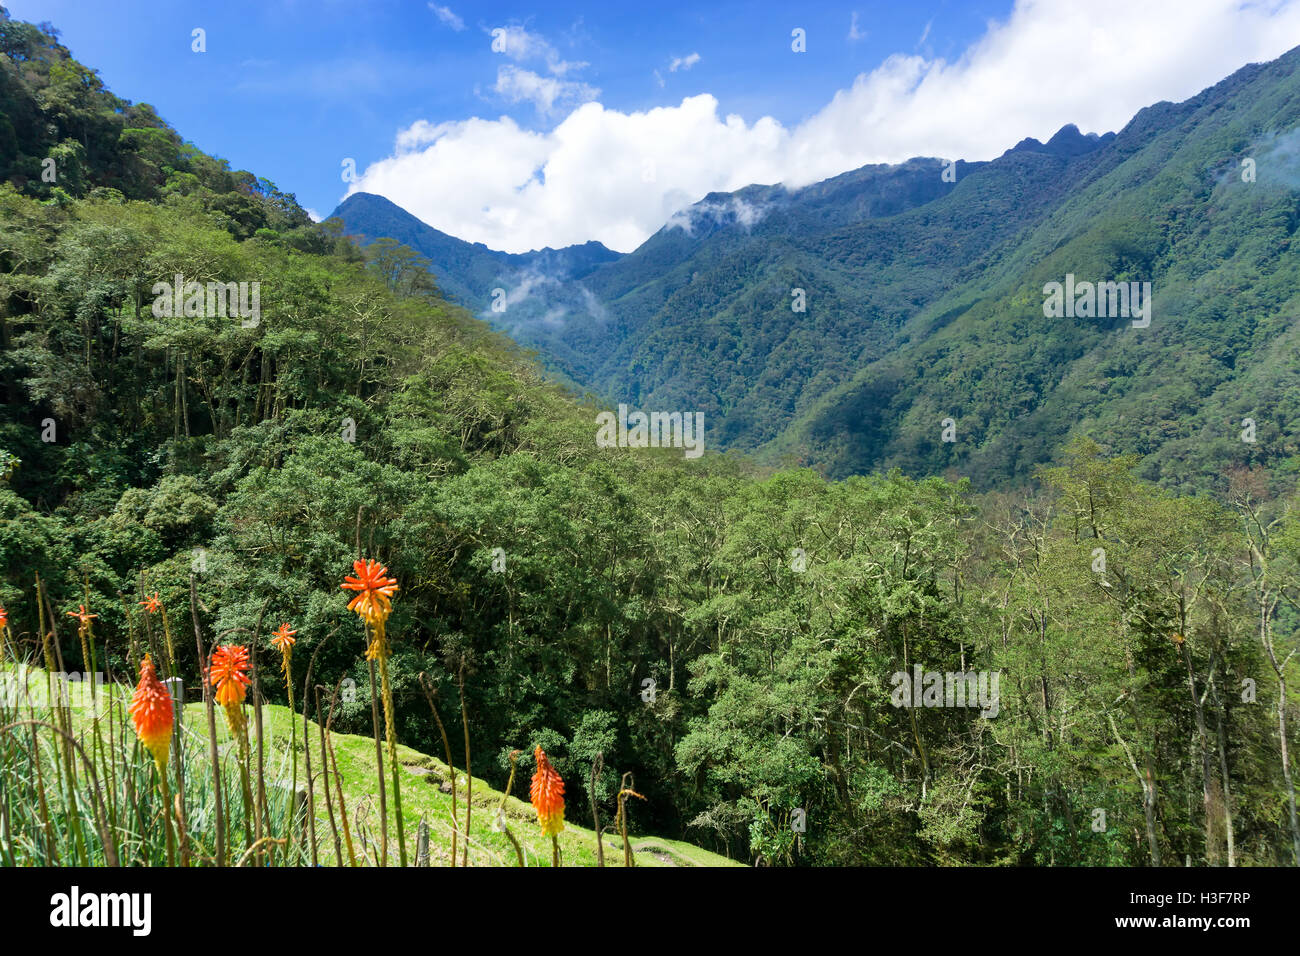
point(426, 795)
point(426, 792)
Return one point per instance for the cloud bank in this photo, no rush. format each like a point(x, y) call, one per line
point(618, 177)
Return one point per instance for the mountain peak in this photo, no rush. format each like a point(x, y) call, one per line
point(1066, 143)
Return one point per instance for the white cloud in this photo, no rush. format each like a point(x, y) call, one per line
point(517, 43)
point(854, 33)
point(521, 46)
point(420, 133)
point(735, 210)
point(515, 189)
point(446, 15)
point(547, 93)
point(676, 63)
point(593, 305)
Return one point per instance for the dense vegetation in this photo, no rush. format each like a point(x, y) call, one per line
point(924, 302)
point(363, 413)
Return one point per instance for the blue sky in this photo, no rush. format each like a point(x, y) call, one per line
point(680, 98)
point(287, 86)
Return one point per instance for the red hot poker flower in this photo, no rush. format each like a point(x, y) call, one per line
point(547, 795)
point(228, 674)
point(373, 591)
point(83, 616)
point(151, 710)
point(151, 603)
point(282, 638)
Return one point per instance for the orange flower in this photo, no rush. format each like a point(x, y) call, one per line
point(83, 616)
point(282, 638)
point(151, 603)
point(547, 795)
point(151, 710)
point(4, 617)
point(373, 591)
point(229, 662)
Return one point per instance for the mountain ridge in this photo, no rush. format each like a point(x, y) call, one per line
point(900, 260)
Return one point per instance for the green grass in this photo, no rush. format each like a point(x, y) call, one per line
point(424, 780)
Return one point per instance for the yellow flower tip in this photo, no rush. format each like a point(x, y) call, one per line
point(234, 717)
point(378, 646)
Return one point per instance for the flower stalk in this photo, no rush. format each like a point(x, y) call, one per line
point(373, 591)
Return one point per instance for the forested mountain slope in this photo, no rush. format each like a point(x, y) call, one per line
point(1200, 199)
point(925, 302)
point(467, 272)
